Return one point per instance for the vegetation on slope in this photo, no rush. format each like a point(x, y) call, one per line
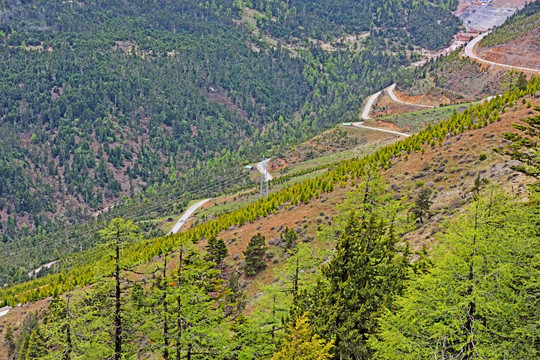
point(110, 99)
point(401, 21)
point(76, 133)
point(477, 116)
point(522, 23)
point(188, 310)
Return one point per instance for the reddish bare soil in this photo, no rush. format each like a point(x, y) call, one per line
point(524, 51)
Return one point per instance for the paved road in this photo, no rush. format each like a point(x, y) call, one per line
point(369, 104)
point(260, 169)
point(359, 125)
point(186, 216)
point(469, 51)
point(4, 311)
point(390, 91)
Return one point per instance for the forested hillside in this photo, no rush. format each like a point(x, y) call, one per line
point(369, 296)
point(400, 21)
point(104, 99)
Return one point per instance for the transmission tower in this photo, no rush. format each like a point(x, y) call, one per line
point(264, 177)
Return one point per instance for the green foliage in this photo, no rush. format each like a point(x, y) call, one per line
point(364, 274)
point(301, 344)
point(140, 97)
point(524, 146)
point(143, 251)
point(429, 25)
point(289, 236)
point(9, 341)
point(475, 302)
point(36, 345)
point(422, 203)
point(254, 255)
point(217, 250)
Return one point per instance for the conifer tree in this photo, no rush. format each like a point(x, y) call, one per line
point(236, 299)
point(367, 270)
point(301, 344)
point(217, 250)
point(254, 255)
point(524, 146)
point(36, 345)
point(9, 341)
point(478, 299)
point(117, 234)
point(196, 317)
point(289, 236)
point(422, 203)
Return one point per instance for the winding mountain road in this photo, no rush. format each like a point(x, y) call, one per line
point(186, 216)
point(369, 104)
point(469, 51)
point(390, 91)
point(359, 125)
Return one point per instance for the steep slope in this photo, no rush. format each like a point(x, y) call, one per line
point(104, 99)
point(515, 43)
point(456, 78)
point(448, 166)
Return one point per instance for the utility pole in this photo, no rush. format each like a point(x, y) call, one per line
point(264, 178)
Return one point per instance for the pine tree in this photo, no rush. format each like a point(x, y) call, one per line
point(422, 203)
point(289, 236)
point(23, 351)
point(301, 344)
point(216, 250)
point(524, 146)
point(236, 299)
point(118, 233)
point(254, 255)
point(478, 300)
point(9, 341)
point(367, 271)
point(36, 345)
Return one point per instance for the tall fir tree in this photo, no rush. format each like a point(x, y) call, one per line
point(367, 271)
point(254, 255)
point(216, 250)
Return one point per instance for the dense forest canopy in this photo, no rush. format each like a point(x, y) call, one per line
point(404, 21)
point(103, 99)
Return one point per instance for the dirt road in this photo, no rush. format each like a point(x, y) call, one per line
point(369, 104)
point(260, 169)
point(359, 125)
point(186, 216)
point(390, 91)
point(469, 51)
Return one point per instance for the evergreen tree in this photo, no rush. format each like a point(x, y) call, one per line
point(36, 345)
point(479, 300)
point(289, 236)
point(117, 234)
point(301, 344)
point(422, 203)
point(254, 255)
point(9, 341)
point(24, 347)
point(216, 250)
point(236, 299)
point(524, 145)
point(366, 272)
